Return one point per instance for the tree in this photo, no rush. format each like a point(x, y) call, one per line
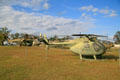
point(16, 35)
point(5, 32)
point(54, 38)
point(1, 38)
point(26, 36)
point(67, 38)
point(21, 35)
point(12, 36)
point(117, 37)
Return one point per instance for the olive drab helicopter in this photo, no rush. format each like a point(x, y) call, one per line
point(86, 45)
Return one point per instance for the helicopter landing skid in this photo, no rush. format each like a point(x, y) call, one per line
point(94, 56)
point(80, 56)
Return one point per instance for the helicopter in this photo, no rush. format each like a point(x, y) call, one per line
point(21, 42)
point(108, 44)
point(86, 45)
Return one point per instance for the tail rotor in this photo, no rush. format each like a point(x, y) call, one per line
point(45, 40)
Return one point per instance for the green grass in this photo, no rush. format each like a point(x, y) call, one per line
point(15, 72)
point(32, 63)
point(10, 69)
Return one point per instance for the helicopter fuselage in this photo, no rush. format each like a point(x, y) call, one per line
point(83, 46)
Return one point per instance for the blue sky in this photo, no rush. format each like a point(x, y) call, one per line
point(61, 16)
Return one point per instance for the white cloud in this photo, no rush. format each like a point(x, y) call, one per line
point(95, 9)
point(46, 5)
point(86, 17)
point(62, 12)
point(83, 14)
point(87, 8)
point(33, 4)
point(30, 23)
point(106, 12)
point(113, 13)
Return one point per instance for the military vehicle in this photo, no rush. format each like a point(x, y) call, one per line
point(21, 42)
point(28, 40)
point(15, 41)
point(86, 45)
point(107, 44)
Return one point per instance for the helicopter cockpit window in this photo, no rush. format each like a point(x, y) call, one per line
point(96, 47)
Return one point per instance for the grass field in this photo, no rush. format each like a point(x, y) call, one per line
point(32, 63)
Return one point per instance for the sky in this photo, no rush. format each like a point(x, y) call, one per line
point(61, 17)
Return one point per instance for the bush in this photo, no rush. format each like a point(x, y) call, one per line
point(1, 38)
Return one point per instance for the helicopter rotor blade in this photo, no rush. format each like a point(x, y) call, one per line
point(93, 35)
point(45, 40)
